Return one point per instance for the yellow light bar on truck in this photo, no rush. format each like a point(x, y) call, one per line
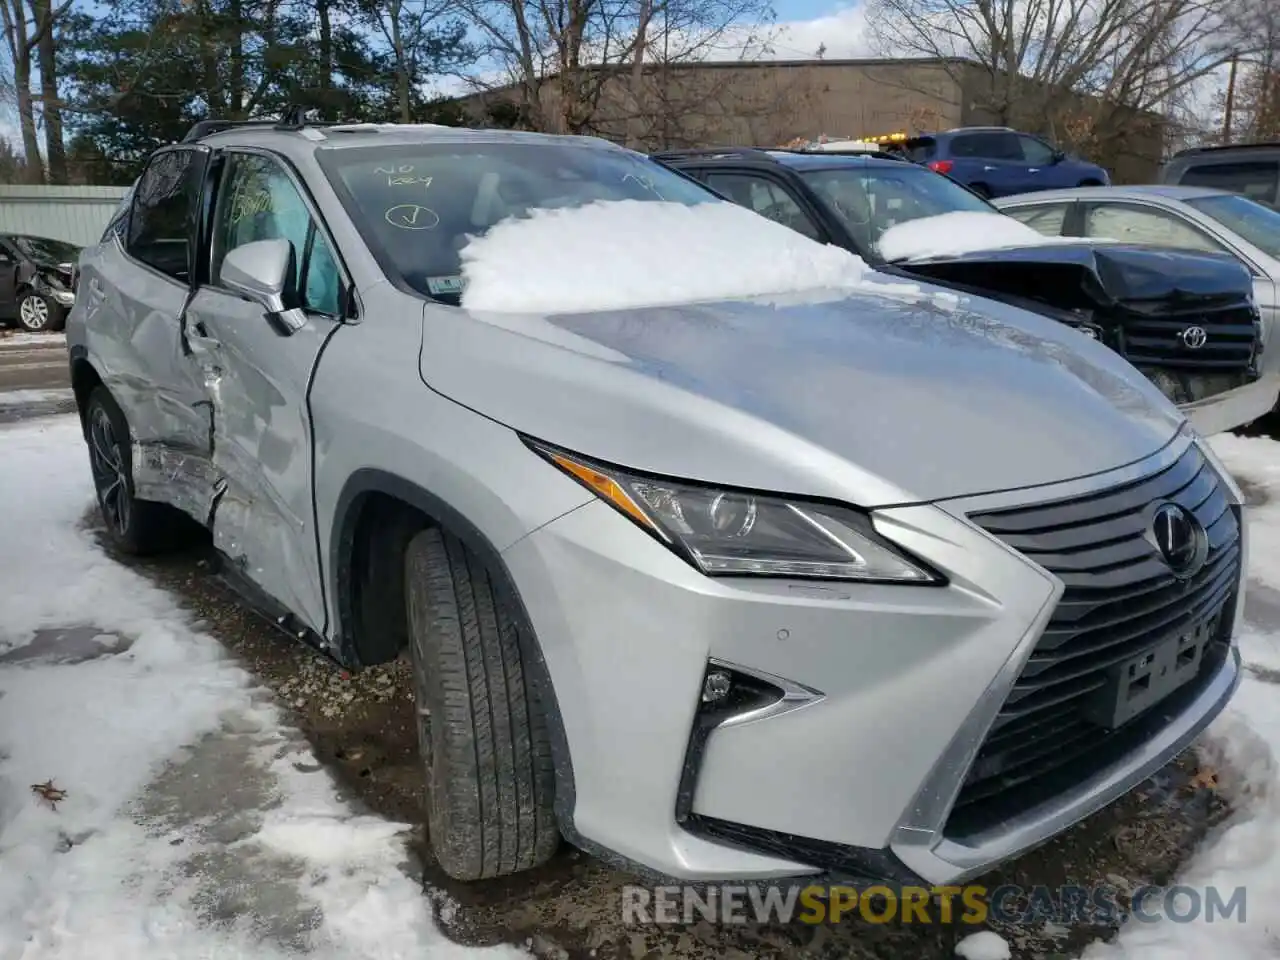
point(885, 138)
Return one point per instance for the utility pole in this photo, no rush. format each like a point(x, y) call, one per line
point(1231, 98)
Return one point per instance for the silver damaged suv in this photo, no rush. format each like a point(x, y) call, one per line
point(845, 585)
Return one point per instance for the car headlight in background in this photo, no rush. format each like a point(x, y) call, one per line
point(738, 533)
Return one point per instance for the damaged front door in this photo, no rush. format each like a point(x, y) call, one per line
point(256, 365)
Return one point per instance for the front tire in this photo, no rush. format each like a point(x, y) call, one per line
point(38, 314)
point(137, 527)
point(482, 734)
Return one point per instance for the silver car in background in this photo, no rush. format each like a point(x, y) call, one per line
point(1184, 218)
point(855, 582)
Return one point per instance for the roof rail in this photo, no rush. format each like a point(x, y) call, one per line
point(295, 117)
point(745, 153)
point(207, 128)
point(981, 127)
point(1227, 146)
point(895, 156)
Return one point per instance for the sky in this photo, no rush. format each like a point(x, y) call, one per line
point(807, 24)
point(804, 25)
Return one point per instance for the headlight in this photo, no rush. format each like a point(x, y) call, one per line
point(726, 532)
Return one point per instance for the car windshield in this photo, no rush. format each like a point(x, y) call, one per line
point(1258, 224)
point(871, 199)
point(44, 249)
point(417, 206)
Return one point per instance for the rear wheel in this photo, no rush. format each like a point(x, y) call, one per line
point(134, 526)
point(483, 737)
point(1090, 183)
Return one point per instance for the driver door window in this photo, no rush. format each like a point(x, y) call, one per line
point(259, 201)
point(766, 198)
point(1134, 224)
point(1036, 152)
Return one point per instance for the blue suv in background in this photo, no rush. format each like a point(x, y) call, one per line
point(998, 161)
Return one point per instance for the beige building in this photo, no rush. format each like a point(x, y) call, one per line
point(771, 102)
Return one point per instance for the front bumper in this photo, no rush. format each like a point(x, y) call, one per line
point(1234, 408)
point(897, 687)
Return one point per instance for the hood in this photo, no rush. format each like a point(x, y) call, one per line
point(867, 398)
point(1083, 276)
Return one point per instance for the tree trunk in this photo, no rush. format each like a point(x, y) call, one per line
point(326, 60)
point(27, 119)
point(635, 121)
point(394, 9)
point(51, 106)
point(236, 93)
point(14, 16)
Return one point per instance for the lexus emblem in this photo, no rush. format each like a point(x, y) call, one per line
point(1193, 338)
point(1180, 539)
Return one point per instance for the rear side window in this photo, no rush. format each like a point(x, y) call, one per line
point(162, 219)
point(1257, 181)
point(922, 149)
point(117, 225)
point(989, 146)
point(1045, 218)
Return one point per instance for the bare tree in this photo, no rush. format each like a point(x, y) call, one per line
point(43, 15)
point(415, 31)
point(25, 30)
point(1251, 102)
point(578, 66)
point(1082, 69)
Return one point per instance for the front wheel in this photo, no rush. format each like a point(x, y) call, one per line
point(483, 737)
point(38, 314)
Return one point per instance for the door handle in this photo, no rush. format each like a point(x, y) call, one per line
point(988, 168)
point(1033, 170)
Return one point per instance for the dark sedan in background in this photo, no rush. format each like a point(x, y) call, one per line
point(1188, 320)
point(36, 287)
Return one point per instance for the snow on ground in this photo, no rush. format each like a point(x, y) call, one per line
point(983, 945)
point(614, 255)
point(1244, 742)
point(14, 398)
point(20, 338)
point(962, 231)
point(195, 825)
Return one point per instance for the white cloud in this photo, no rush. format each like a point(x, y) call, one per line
point(844, 34)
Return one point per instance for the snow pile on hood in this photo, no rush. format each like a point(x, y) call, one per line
point(617, 255)
point(963, 231)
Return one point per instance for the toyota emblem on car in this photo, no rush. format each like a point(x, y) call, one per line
point(1180, 539)
point(1193, 338)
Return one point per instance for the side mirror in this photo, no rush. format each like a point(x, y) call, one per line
point(1059, 156)
point(265, 271)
